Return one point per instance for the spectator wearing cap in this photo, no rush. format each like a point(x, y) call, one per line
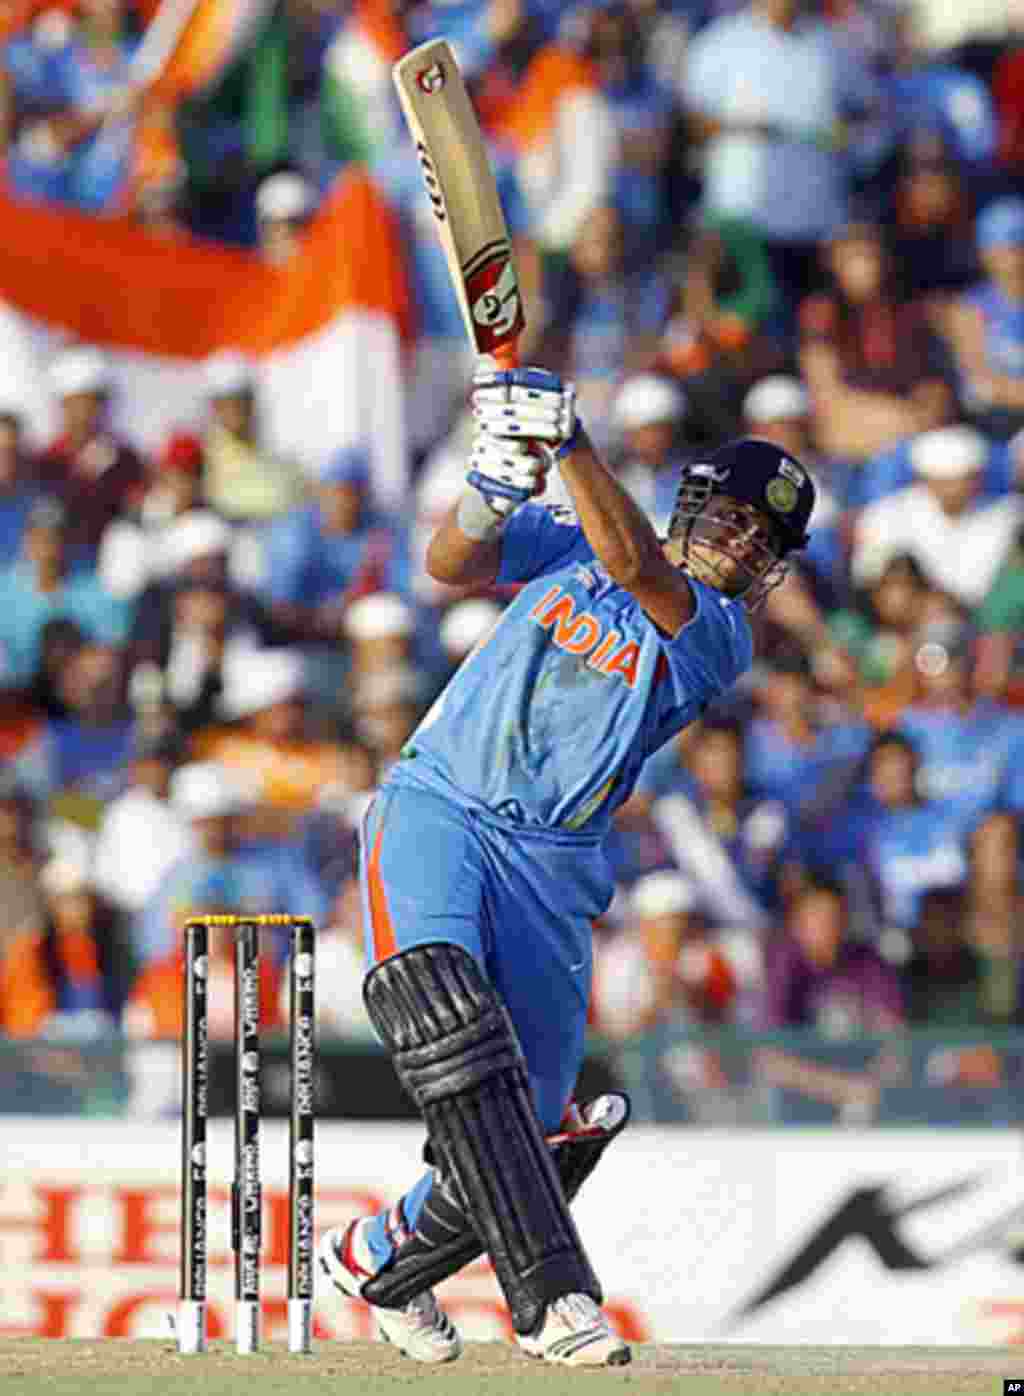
point(986, 324)
point(465, 626)
point(41, 587)
point(243, 481)
point(816, 976)
point(958, 539)
point(324, 555)
point(94, 474)
point(131, 547)
point(767, 92)
point(263, 736)
point(64, 977)
point(140, 834)
point(647, 416)
point(285, 203)
point(385, 632)
point(874, 367)
point(224, 870)
point(737, 848)
point(18, 487)
point(661, 968)
point(192, 618)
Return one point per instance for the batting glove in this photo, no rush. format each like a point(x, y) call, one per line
point(525, 404)
point(506, 473)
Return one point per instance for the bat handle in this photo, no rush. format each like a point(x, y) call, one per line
point(506, 355)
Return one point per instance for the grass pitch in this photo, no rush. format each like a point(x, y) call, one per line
point(32, 1367)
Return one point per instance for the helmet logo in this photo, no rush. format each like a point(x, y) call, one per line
point(791, 471)
point(781, 494)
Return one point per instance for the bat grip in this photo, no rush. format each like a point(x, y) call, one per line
point(506, 355)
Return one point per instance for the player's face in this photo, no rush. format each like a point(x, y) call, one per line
point(732, 545)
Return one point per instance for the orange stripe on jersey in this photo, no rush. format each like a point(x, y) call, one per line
point(384, 942)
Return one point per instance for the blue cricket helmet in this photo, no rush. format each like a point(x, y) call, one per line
point(758, 473)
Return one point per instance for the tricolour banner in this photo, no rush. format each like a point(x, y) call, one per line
point(765, 1237)
point(325, 330)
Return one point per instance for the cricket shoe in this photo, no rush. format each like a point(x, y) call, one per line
point(421, 1329)
point(576, 1333)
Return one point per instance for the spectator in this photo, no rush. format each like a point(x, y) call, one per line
point(94, 474)
point(878, 633)
point(386, 706)
point(614, 309)
point(1000, 622)
point(321, 557)
point(62, 978)
point(266, 743)
point(943, 980)
point(21, 908)
point(932, 237)
point(465, 627)
point(796, 744)
point(59, 642)
point(874, 367)
point(725, 307)
point(959, 540)
point(140, 835)
point(767, 93)
point(816, 977)
point(85, 751)
point(382, 631)
point(243, 481)
point(647, 414)
point(661, 967)
point(986, 326)
point(223, 871)
point(733, 846)
point(911, 847)
point(132, 546)
point(18, 489)
point(41, 587)
point(924, 89)
point(635, 846)
point(285, 203)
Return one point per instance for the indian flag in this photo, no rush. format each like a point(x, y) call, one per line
point(325, 331)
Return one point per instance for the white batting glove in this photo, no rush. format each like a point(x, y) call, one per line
point(524, 404)
point(506, 473)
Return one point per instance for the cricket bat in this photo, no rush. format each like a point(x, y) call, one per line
point(464, 196)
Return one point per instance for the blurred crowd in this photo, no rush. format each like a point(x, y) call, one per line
point(797, 219)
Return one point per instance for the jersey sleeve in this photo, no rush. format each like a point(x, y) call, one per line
point(537, 540)
point(713, 648)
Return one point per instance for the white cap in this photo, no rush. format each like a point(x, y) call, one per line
point(467, 622)
point(206, 790)
point(198, 533)
point(285, 195)
point(80, 370)
point(662, 894)
point(646, 399)
point(227, 374)
point(258, 679)
point(777, 398)
point(63, 877)
point(379, 616)
point(948, 453)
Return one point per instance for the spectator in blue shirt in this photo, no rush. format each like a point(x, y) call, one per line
point(39, 587)
point(17, 491)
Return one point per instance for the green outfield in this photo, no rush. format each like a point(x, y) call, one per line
point(30, 1367)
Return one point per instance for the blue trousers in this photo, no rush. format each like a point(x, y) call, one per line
point(522, 907)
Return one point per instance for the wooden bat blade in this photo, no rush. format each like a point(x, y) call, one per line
point(464, 196)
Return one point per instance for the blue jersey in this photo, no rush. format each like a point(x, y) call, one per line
point(549, 722)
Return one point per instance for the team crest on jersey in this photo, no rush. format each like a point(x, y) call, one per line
point(581, 633)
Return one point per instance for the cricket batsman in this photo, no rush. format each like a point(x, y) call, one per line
point(481, 856)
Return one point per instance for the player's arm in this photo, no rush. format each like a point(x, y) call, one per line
point(458, 559)
point(531, 404)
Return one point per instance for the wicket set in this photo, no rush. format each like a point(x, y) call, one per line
point(246, 1200)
